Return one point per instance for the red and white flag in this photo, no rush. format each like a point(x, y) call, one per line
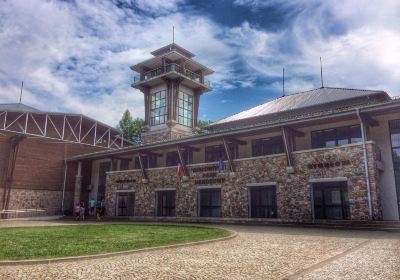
point(180, 170)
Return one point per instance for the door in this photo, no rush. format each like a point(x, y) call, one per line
point(263, 202)
point(166, 203)
point(125, 203)
point(331, 201)
point(101, 189)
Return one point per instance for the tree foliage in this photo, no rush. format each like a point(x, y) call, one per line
point(201, 125)
point(131, 128)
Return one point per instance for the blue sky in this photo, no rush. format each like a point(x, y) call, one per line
point(74, 56)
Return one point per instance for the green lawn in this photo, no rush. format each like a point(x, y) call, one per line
point(77, 240)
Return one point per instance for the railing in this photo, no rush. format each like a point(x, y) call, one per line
point(171, 68)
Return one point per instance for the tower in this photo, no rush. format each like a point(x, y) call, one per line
point(172, 83)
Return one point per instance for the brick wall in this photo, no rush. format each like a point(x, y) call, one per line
point(39, 172)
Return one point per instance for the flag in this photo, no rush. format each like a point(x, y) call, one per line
point(179, 172)
point(221, 166)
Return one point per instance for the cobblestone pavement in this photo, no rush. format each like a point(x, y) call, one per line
point(258, 252)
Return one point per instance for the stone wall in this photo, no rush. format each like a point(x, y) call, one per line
point(28, 202)
point(293, 189)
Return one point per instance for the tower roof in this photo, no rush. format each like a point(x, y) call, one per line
point(172, 47)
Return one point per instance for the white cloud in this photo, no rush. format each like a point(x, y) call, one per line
point(75, 56)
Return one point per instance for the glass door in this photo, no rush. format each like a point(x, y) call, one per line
point(331, 201)
point(125, 203)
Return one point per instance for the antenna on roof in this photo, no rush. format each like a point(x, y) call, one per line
point(20, 96)
point(283, 81)
point(322, 79)
point(173, 34)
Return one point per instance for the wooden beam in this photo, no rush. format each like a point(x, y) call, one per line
point(142, 166)
point(287, 145)
point(228, 155)
point(181, 161)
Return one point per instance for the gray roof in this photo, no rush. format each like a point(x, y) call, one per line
point(301, 100)
point(17, 107)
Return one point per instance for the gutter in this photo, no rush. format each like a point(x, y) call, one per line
point(367, 178)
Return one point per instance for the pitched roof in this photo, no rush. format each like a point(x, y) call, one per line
point(301, 100)
point(17, 107)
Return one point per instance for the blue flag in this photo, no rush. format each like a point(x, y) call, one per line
point(221, 166)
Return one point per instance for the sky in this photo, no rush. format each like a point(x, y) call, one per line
point(74, 56)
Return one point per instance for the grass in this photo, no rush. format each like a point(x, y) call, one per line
point(77, 240)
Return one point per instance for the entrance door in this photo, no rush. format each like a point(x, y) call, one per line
point(101, 190)
point(331, 201)
point(125, 203)
point(166, 203)
point(263, 202)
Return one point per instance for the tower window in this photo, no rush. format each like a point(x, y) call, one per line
point(185, 109)
point(158, 108)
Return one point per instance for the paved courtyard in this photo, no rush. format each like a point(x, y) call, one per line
point(258, 252)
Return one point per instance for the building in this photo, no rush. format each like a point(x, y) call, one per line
point(33, 146)
point(327, 153)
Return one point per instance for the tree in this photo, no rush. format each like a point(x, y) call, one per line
point(201, 125)
point(131, 128)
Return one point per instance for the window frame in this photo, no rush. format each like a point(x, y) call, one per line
point(234, 149)
point(187, 158)
point(332, 135)
point(184, 109)
point(259, 147)
point(169, 208)
point(155, 115)
point(206, 210)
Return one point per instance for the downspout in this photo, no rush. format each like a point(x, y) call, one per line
point(370, 216)
point(64, 185)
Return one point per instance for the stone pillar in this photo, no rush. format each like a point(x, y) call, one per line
point(78, 185)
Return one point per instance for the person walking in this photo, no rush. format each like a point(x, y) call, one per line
point(82, 211)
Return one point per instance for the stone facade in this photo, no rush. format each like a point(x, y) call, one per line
point(28, 203)
point(293, 189)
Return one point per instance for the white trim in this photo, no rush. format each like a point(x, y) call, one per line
point(124, 191)
point(208, 187)
point(328, 180)
point(266, 184)
point(164, 189)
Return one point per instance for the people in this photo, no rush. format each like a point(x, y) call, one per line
point(82, 211)
point(77, 211)
point(92, 206)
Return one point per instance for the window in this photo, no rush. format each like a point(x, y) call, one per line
point(267, 146)
point(217, 152)
point(394, 127)
point(158, 108)
point(148, 162)
point(173, 160)
point(166, 203)
point(331, 201)
point(210, 203)
point(124, 164)
point(263, 202)
point(185, 109)
point(336, 136)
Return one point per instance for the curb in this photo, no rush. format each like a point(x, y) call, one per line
point(232, 234)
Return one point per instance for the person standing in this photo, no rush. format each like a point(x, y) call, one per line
point(77, 211)
point(82, 212)
point(92, 206)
